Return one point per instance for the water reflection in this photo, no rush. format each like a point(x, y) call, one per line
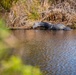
point(53, 51)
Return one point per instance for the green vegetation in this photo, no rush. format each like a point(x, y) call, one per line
point(32, 9)
point(14, 66)
point(7, 4)
point(4, 33)
point(10, 64)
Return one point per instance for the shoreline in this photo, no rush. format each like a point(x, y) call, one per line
point(21, 27)
point(24, 28)
point(30, 28)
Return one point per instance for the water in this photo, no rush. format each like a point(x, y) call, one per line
point(53, 51)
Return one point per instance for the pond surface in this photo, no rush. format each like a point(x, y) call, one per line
point(53, 51)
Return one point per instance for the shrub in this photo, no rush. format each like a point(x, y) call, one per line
point(7, 4)
point(14, 66)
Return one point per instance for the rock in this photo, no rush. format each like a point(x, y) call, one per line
point(67, 28)
point(42, 25)
point(49, 26)
point(58, 27)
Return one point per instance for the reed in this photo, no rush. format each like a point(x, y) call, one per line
point(56, 11)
